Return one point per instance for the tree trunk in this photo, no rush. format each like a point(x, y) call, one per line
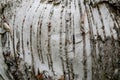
point(59, 40)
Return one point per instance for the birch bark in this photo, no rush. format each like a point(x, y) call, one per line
point(59, 40)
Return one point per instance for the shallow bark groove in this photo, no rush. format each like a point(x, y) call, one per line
point(60, 40)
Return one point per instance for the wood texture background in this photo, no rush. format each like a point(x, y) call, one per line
point(68, 41)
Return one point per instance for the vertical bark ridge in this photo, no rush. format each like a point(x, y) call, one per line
point(39, 37)
point(66, 51)
point(39, 42)
point(49, 50)
point(13, 38)
point(31, 50)
point(23, 51)
point(61, 43)
point(41, 20)
point(49, 55)
point(71, 41)
point(74, 45)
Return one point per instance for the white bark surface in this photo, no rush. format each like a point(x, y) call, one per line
point(66, 39)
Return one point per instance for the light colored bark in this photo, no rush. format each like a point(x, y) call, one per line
point(66, 40)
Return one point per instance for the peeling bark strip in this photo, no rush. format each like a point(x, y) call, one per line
point(60, 40)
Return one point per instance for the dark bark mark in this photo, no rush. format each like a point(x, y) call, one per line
point(40, 47)
point(18, 47)
point(31, 5)
point(74, 39)
point(23, 51)
point(9, 39)
point(84, 58)
point(72, 35)
point(13, 37)
point(40, 54)
point(74, 43)
point(66, 46)
point(31, 42)
point(63, 67)
point(103, 26)
point(66, 2)
point(80, 10)
point(66, 52)
point(72, 71)
point(49, 47)
point(49, 55)
point(75, 3)
point(38, 50)
point(33, 69)
point(82, 30)
point(37, 8)
point(49, 50)
point(4, 39)
point(39, 40)
point(18, 43)
point(60, 43)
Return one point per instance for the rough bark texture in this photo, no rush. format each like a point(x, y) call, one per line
point(59, 40)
